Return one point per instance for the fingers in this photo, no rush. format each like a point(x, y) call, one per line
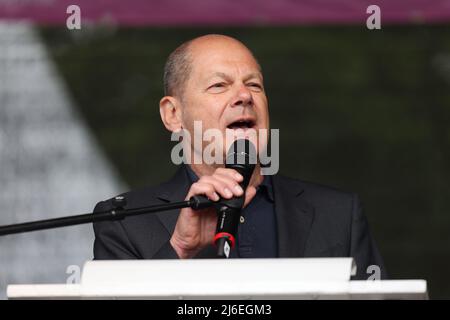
point(233, 174)
point(223, 183)
point(225, 186)
point(200, 188)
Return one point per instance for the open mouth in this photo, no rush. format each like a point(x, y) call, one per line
point(241, 124)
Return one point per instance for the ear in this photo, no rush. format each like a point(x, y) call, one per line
point(170, 111)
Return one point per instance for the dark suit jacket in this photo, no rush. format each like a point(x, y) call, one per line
point(312, 221)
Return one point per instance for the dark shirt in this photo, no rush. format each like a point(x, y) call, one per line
point(257, 232)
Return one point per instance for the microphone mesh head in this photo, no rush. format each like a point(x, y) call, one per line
point(242, 157)
point(241, 152)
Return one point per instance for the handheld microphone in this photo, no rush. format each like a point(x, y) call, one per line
point(241, 157)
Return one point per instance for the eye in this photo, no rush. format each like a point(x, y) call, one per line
point(255, 85)
point(217, 87)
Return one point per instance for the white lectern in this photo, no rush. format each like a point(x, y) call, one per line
point(295, 278)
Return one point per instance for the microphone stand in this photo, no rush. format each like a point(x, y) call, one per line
point(118, 212)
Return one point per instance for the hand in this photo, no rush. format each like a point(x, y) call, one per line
point(195, 229)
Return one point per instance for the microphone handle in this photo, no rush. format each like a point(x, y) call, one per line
point(227, 225)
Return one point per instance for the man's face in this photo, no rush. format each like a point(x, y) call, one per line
point(225, 91)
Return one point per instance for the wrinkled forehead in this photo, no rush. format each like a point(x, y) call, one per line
point(226, 57)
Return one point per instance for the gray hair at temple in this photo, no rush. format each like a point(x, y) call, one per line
point(176, 70)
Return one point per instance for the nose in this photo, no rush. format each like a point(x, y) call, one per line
point(243, 97)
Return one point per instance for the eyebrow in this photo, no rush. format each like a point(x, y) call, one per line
point(226, 76)
point(220, 75)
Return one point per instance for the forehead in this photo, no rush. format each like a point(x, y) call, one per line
point(222, 57)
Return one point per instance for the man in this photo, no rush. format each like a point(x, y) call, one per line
point(215, 79)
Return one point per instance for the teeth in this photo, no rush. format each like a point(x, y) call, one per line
point(240, 124)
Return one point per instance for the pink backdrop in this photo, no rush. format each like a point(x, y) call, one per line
point(227, 12)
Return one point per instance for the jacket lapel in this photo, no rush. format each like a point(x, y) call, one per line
point(174, 190)
point(294, 217)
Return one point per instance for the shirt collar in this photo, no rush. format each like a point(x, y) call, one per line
point(191, 174)
point(266, 186)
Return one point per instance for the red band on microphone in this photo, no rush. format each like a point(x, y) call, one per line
point(225, 235)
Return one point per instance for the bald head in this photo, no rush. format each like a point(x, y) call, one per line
point(182, 60)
